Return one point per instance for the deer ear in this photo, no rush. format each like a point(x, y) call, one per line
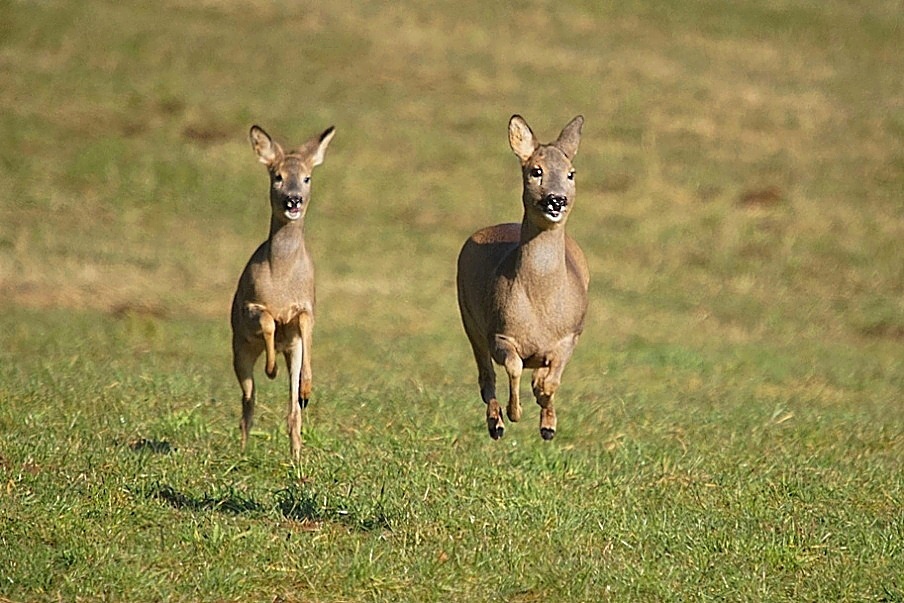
point(521, 138)
point(322, 143)
point(267, 150)
point(570, 137)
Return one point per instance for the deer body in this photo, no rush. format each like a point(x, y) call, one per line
point(273, 306)
point(522, 288)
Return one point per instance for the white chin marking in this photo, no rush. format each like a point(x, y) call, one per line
point(293, 215)
point(555, 218)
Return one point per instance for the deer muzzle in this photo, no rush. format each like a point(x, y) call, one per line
point(553, 206)
point(293, 206)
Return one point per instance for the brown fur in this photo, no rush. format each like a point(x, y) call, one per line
point(522, 288)
point(273, 307)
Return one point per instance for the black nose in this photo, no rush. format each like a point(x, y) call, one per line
point(293, 201)
point(555, 202)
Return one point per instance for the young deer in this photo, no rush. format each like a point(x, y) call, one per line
point(522, 288)
point(273, 307)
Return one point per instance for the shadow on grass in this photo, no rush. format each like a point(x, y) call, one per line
point(232, 502)
point(294, 503)
point(151, 446)
point(302, 505)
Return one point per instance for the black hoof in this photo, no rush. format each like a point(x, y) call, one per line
point(273, 374)
point(303, 403)
point(547, 434)
point(496, 431)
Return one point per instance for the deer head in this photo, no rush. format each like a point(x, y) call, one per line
point(547, 172)
point(290, 172)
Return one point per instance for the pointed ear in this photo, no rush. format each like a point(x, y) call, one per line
point(320, 144)
point(521, 138)
point(570, 137)
point(267, 151)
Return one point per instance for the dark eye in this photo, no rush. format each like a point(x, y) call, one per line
point(307, 179)
point(571, 175)
point(536, 172)
point(277, 178)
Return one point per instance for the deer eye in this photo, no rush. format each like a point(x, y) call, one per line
point(536, 172)
point(277, 178)
point(571, 175)
point(307, 179)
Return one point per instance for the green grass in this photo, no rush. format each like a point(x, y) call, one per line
point(730, 428)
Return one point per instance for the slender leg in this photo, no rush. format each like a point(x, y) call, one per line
point(293, 418)
point(306, 325)
point(244, 354)
point(506, 354)
point(486, 380)
point(545, 383)
point(268, 329)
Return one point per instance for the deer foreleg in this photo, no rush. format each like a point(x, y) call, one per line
point(306, 326)
point(546, 381)
point(268, 330)
point(506, 354)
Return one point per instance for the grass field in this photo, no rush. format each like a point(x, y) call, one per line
point(731, 426)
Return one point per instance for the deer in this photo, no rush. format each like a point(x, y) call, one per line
point(273, 306)
point(522, 288)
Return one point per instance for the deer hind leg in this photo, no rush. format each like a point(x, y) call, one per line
point(294, 360)
point(506, 354)
point(486, 380)
point(244, 356)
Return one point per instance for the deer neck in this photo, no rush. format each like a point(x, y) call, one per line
point(541, 254)
point(286, 243)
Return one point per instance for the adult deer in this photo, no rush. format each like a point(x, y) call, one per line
point(273, 307)
point(522, 288)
